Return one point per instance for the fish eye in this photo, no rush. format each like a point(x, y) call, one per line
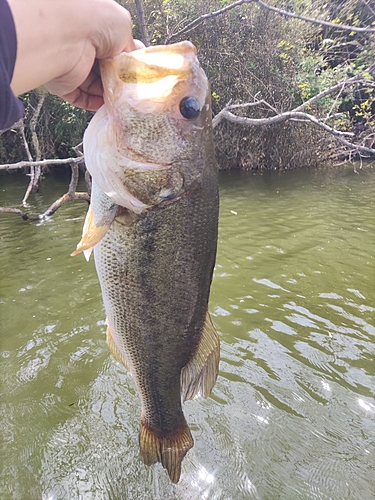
point(189, 108)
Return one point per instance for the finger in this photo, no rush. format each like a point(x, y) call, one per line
point(139, 45)
point(133, 45)
point(84, 100)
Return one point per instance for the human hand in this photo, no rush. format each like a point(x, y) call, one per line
point(60, 41)
point(89, 94)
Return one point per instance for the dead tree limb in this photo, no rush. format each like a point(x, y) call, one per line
point(78, 149)
point(370, 9)
point(201, 19)
point(359, 78)
point(292, 115)
point(204, 17)
point(41, 163)
point(88, 182)
point(142, 22)
point(344, 27)
point(61, 201)
point(21, 126)
point(35, 170)
point(72, 194)
point(73, 180)
point(297, 113)
point(9, 210)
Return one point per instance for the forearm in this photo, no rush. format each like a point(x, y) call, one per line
point(59, 37)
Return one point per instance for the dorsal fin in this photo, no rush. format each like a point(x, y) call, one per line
point(199, 375)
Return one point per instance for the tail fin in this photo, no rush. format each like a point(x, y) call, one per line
point(167, 448)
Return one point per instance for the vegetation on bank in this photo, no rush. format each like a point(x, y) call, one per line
point(304, 91)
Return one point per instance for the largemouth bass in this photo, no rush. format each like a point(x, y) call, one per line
point(153, 225)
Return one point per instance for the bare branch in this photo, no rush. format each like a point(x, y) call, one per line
point(8, 210)
point(34, 169)
point(289, 115)
point(142, 22)
point(73, 180)
point(42, 163)
point(21, 125)
point(78, 149)
point(251, 104)
point(88, 182)
point(359, 78)
point(33, 124)
point(71, 195)
point(199, 20)
point(61, 201)
point(370, 9)
point(286, 13)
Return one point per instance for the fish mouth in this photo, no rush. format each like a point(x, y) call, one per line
point(154, 63)
point(148, 77)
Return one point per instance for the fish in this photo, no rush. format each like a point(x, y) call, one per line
point(152, 226)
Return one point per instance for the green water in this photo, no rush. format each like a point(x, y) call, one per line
point(292, 415)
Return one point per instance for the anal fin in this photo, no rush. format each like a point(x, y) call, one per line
point(199, 375)
point(92, 233)
point(167, 448)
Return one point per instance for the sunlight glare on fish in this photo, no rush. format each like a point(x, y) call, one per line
point(157, 90)
point(162, 59)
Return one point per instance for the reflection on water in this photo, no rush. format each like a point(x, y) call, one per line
point(292, 415)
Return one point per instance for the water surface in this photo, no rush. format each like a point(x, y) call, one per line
point(292, 415)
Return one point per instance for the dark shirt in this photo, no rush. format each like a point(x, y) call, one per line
point(11, 108)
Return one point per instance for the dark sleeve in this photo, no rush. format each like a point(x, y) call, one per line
point(11, 108)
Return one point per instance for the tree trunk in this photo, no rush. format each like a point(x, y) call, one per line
point(142, 22)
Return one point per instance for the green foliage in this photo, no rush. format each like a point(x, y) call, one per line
point(59, 128)
point(250, 54)
point(64, 125)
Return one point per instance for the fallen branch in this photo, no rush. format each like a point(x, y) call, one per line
point(35, 170)
point(291, 115)
point(298, 115)
point(8, 210)
point(72, 194)
point(42, 163)
point(61, 201)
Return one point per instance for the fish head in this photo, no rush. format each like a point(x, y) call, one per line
point(147, 144)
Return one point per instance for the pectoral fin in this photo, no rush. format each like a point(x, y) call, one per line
point(93, 233)
point(199, 375)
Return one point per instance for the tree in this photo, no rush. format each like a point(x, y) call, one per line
point(310, 57)
point(292, 82)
